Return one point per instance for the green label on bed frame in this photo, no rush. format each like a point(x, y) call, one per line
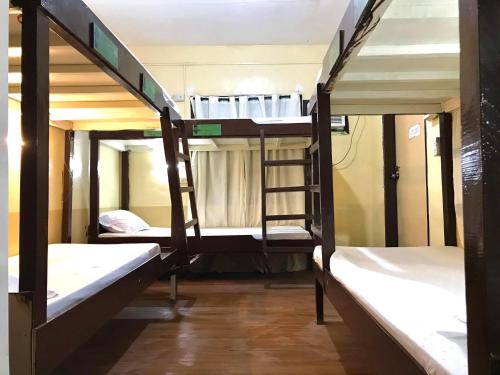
point(104, 45)
point(207, 130)
point(152, 133)
point(148, 87)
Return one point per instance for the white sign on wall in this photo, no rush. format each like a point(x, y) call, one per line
point(414, 131)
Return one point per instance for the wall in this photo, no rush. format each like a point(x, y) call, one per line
point(109, 178)
point(359, 183)
point(436, 221)
point(149, 191)
point(4, 342)
point(56, 170)
point(232, 70)
point(81, 188)
point(412, 200)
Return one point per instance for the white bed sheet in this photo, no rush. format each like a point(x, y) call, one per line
point(78, 271)
point(273, 233)
point(416, 293)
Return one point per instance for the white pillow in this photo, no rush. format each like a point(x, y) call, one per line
point(121, 221)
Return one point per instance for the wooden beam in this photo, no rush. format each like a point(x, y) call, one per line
point(125, 183)
point(480, 98)
point(390, 181)
point(67, 199)
point(93, 231)
point(34, 160)
point(447, 182)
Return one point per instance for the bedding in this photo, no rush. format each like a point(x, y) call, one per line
point(273, 233)
point(416, 293)
point(122, 221)
point(78, 271)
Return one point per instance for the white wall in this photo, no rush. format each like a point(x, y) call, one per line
point(4, 342)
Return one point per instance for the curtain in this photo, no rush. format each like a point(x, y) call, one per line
point(259, 106)
point(228, 187)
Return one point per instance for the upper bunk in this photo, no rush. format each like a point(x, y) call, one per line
point(93, 77)
point(394, 57)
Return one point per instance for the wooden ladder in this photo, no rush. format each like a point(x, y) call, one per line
point(267, 245)
point(179, 237)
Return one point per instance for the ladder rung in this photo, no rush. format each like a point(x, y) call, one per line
point(288, 217)
point(183, 157)
point(288, 249)
point(316, 229)
point(187, 189)
point(287, 189)
point(314, 189)
point(193, 259)
point(314, 147)
point(287, 162)
point(191, 223)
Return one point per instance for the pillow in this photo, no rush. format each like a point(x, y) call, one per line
point(121, 221)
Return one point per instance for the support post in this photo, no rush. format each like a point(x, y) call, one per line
point(93, 231)
point(33, 247)
point(124, 181)
point(480, 100)
point(390, 181)
point(69, 148)
point(326, 176)
point(448, 189)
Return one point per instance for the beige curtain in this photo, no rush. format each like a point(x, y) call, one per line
point(228, 187)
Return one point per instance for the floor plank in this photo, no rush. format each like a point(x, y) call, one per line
point(231, 324)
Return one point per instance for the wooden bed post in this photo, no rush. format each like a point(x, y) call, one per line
point(93, 231)
point(390, 181)
point(124, 181)
point(34, 160)
point(69, 148)
point(480, 102)
point(448, 189)
point(326, 177)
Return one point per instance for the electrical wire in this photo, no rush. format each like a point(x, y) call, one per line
point(350, 143)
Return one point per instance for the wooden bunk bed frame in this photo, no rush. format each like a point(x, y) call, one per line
point(37, 344)
point(480, 94)
point(229, 128)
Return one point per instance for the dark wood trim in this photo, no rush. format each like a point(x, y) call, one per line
point(34, 159)
point(390, 181)
point(124, 181)
point(73, 20)
point(52, 341)
point(386, 355)
point(93, 230)
point(326, 177)
point(308, 210)
point(69, 149)
point(427, 199)
point(447, 181)
point(247, 128)
point(480, 100)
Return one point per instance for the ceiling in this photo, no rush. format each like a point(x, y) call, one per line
point(410, 63)
point(221, 22)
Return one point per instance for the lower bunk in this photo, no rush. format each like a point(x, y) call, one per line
point(406, 306)
point(87, 285)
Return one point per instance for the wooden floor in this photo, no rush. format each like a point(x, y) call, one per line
point(249, 324)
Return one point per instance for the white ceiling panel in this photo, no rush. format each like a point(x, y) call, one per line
point(221, 22)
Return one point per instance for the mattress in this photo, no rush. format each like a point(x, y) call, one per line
point(273, 233)
point(78, 271)
point(416, 293)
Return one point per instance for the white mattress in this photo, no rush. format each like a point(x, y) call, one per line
point(416, 293)
point(273, 233)
point(77, 271)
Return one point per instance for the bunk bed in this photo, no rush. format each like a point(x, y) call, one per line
point(276, 239)
point(415, 310)
point(60, 294)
